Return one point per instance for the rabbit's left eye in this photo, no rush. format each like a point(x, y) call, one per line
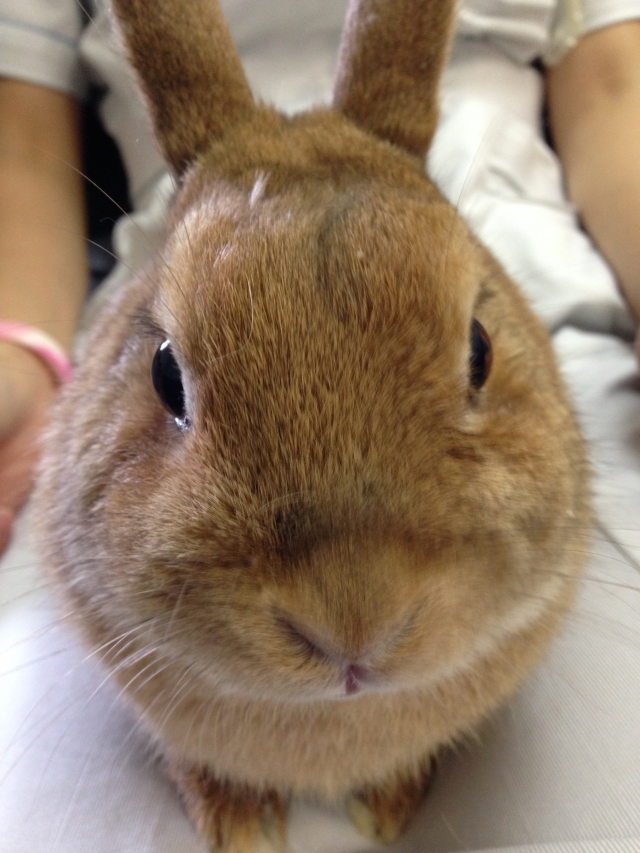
point(167, 380)
point(481, 355)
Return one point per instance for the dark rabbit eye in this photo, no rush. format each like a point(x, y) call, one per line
point(167, 380)
point(481, 355)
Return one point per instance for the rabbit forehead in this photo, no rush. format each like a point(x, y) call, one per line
point(364, 253)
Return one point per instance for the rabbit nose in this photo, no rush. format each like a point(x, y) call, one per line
point(314, 646)
point(355, 674)
point(305, 643)
point(355, 677)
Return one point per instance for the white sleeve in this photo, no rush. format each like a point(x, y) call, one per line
point(39, 42)
point(576, 18)
point(603, 13)
point(518, 28)
point(525, 30)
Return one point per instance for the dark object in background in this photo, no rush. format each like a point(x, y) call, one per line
point(539, 65)
point(105, 188)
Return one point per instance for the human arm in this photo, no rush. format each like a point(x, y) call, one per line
point(42, 265)
point(594, 110)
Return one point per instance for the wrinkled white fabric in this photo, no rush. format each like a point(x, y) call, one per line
point(39, 43)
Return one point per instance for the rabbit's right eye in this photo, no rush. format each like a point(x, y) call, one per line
point(167, 380)
point(481, 355)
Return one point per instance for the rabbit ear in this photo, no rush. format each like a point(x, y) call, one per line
point(189, 71)
point(391, 57)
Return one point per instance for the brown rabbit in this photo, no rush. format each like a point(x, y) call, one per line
point(316, 492)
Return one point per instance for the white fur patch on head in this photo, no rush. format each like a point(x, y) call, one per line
point(259, 187)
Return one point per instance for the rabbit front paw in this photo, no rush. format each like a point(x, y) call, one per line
point(381, 812)
point(231, 818)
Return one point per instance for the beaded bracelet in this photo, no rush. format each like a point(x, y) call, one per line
point(40, 344)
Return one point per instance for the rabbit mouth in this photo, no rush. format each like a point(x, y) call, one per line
point(355, 678)
point(347, 672)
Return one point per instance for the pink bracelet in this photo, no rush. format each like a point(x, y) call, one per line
point(40, 344)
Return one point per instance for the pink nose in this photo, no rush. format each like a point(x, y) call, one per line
point(355, 676)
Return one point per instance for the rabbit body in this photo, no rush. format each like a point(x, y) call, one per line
point(342, 556)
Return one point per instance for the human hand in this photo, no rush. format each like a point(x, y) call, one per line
point(27, 390)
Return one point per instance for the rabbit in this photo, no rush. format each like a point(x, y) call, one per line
point(316, 495)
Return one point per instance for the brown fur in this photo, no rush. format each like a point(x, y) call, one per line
point(342, 496)
point(381, 812)
point(390, 61)
point(233, 819)
point(189, 72)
